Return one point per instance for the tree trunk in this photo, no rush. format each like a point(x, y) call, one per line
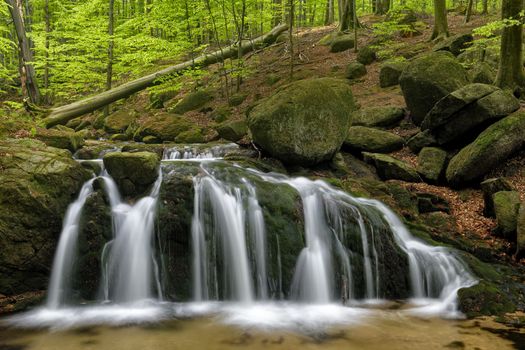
point(485, 7)
point(510, 72)
point(65, 113)
point(440, 20)
point(347, 19)
point(109, 73)
point(27, 71)
point(330, 12)
point(468, 14)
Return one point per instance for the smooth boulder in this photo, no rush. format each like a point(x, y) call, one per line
point(492, 147)
point(428, 79)
point(305, 122)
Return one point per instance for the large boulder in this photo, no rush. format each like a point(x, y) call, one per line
point(118, 122)
point(164, 126)
point(65, 139)
point(390, 168)
point(390, 73)
point(365, 139)
point(366, 55)
point(482, 73)
point(355, 70)
point(342, 43)
point(233, 130)
point(489, 187)
point(420, 140)
point(432, 163)
point(38, 184)
point(464, 111)
point(134, 173)
point(456, 44)
point(506, 207)
point(305, 122)
point(191, 102)
point(428, 79)
point(493, 146)
point(378, 116)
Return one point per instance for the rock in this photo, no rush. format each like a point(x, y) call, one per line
point(489, 188)
point(432, 164)
point(60, 139)
point(459, 114)
point(456, 44)
point(390, 73)
point(119, 137)
point(493, 146)
point(193, 135)
point(342, 43)
point(506, 207)
point(482, 73)
point(403, 15)
point(389, 168)
point(191, 102)
point(355, 70)
point(221, 114)
point(431, 203)
point(233, 130)
point(74, 123)
point(520, 236)
point(237, 99)
point(484, 299)
point(378, 116)
point(420, 140)
point(305, 122)
point(151, 139)
point(428, 79)
point(361, 138)
point(134, 173)
point(157, 98)
point(366, 55)
point(164, 126)
point(117, 122)
point(38, 184)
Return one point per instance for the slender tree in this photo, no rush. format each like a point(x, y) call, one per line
point(347, 16)
point(510, 72)
point(109, 73)
point(440, 20)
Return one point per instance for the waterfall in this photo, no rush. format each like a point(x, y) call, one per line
point(60, 281)
point(198, 153)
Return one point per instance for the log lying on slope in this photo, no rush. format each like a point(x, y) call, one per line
point(61, 115)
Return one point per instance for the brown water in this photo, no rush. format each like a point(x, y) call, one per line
point(387, 330)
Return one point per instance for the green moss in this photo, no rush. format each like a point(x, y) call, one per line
point(164, 126)
point(193, 135)
point(389, 168)
point(119, 121)
point(361, 138)
point(191, 101)
point(506, 207)
point(355, 70)
point(366, 55)
point(432, 163)
point(390, 73)
point(60, 139)
point(340, 43)
point(232, 130)
point(237, 99)
point(378, 116)
point(484, 299)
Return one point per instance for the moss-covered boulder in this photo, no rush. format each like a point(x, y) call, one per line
point(305, 122)
point(60, 139)
point(455, 44)
point(117, 122)
point(482, 73)
point(134, 173)
point(355, 70)
point(38, 183)
point(191, 102)
point(233, 130)
point(428, 79)
point(342, 43)
point(390, 73)
point(157, 97)
point(365, 139)
point(390, 168)
point(193, 135)
point(459, 115)
point(366, 55)
point(506, 207)
point(378, 117)
point(164, 126)
point(493, 146)
point(237, 99)
point(484, 299)
point(432, 162)
point(489, 187)
point(420, 140)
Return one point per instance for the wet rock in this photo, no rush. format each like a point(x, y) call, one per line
point(428, 79)
point(390, 73)
point(489, 188)
point(305, 122)
point(378, 117)
point(361, 138)
point(432, 163)
point(484, 299)
point(390, 168)
point(506, 207)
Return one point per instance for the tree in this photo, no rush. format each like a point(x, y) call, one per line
point(26, 68)
point(440, 20)
point(510, 72)
point(347, 17)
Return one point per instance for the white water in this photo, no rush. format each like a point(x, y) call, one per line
point(197, 153)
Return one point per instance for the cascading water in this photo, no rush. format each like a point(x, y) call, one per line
point(197, 153)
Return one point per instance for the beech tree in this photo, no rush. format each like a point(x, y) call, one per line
point(440, 20)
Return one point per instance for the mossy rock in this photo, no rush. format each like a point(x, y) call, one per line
point(432, 163)
point(272, 79)
point(157, 98)
point(342, 43)
point(164, 126)
point(361, 139)
point(233, 130)
point(237, 99)
point(489, 187)
point(491, 147)
point(482, 73)
point(60, 139)
point(117, 122)
point(329, 38)
point(378, 117)
point(484, 299)
point(355, 70)
point(38, 184)
point(191, 102)
point(506, 207)
point(151, 139)
point(428, 79)
point(420, 140)
point(390, 73)
point(134, 173)
point(221, 114)
point(305, 122)
point(366, 55)
point(455, 44)
point(390, 168)
point(119, 137)
point(193, 135)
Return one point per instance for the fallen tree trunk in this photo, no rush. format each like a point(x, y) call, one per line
point(61, 115)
